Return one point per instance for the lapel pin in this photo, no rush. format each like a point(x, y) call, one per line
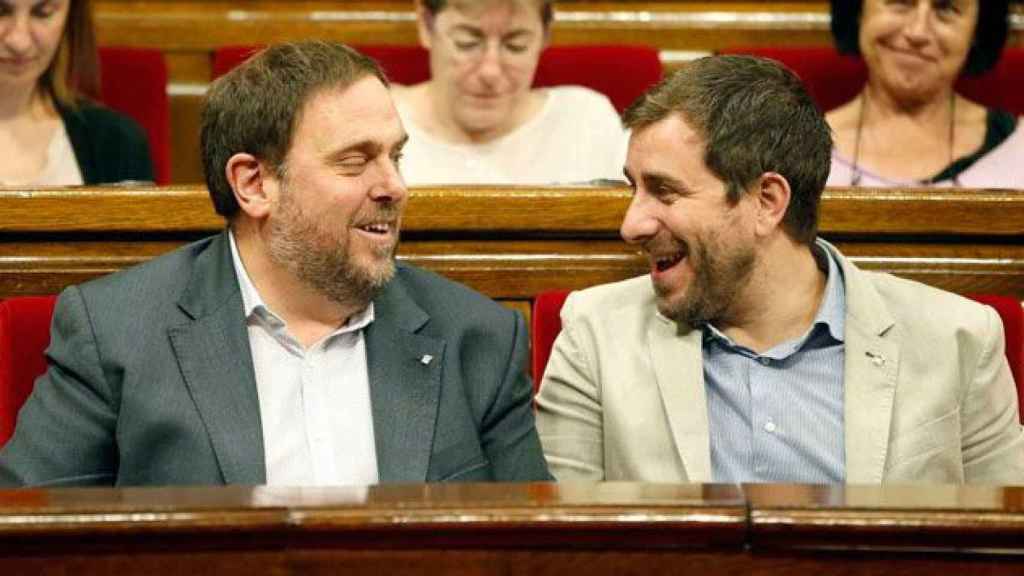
point(876, 359)
point(426, 359)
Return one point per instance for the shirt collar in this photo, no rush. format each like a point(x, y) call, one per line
point(254, 306)
point(831, 311)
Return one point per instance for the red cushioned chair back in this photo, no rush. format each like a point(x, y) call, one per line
point(24, 336)
point(1012, 315)
point(134, 82)
point(545, 324)
point(833, 79)
point(620, 72)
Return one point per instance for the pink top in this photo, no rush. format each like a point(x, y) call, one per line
point(1003, 167)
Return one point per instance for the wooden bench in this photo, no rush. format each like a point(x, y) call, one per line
point(511, 243)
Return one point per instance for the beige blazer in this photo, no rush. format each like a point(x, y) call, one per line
point(928, 394)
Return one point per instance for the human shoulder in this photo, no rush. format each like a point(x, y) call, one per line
point(446, 299)
point(150, 285)
point(581, 99)
point(98, 119)
point(925, 309)
point(608, 302)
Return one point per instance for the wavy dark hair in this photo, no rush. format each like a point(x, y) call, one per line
point(986, 47)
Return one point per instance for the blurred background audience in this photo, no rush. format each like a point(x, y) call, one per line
point(52, 132)
point(477, 120)
point(908, 127)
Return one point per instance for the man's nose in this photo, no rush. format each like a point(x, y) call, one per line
point(639, 223)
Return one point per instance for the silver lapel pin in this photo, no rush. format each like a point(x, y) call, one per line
point(876, 359)
point(426, 359)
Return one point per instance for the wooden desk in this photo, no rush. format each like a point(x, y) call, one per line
point(536, 529)
point(415, 529)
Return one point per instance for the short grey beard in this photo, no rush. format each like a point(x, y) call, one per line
point(295, 246)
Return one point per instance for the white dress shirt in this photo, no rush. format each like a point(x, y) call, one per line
point(314, 402)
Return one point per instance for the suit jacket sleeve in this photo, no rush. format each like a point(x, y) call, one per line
point(992, 437)
point(569, 404)
point(65, 430)
point(509, 433)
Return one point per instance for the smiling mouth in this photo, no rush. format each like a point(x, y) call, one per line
point(666, 261)
point(378, 228)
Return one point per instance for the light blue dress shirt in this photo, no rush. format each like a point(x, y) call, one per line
point(778, 416)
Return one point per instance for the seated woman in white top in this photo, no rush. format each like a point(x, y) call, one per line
point(477, 120)
point(50, 134)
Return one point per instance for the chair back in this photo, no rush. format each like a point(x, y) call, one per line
point(545, 324)
point(134, 82)
point(24, 336)
point(833, 79)
point(1012, 315)
point(620, 72)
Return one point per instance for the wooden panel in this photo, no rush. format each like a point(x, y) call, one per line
point(512, 243)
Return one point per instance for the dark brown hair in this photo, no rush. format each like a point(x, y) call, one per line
point(74, 70)
point(255, 108)
point(754, 116)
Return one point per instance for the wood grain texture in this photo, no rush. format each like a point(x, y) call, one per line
point(512, 243)
point(473, 529)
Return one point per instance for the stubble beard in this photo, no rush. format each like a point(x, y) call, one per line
point(321, 256)
point(720, 274)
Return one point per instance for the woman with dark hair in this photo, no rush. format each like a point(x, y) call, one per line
point(908, 127)
point(50, 132)
point(478, 120)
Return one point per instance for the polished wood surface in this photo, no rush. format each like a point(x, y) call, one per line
point(594, 529)
point(188, 31)
point(512, 243)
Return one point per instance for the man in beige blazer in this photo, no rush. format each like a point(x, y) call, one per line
point(753, 351)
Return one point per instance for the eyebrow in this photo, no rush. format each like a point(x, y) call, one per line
point(368, 147)
point(473, 31)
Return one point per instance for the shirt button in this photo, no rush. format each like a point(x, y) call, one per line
point(764, 361)
point(769, 427)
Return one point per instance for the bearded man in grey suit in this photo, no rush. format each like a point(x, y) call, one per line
point(290, 349)
point(754, 352)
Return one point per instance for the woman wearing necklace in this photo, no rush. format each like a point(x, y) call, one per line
point(49, 133)
point(908, 127)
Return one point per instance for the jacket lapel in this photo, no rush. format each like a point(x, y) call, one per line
point(869, 376)
point(677, 362)
point(405, 385)
point(215, 360)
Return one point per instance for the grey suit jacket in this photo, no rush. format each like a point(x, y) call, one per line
point(150, 382)
point(928, 395)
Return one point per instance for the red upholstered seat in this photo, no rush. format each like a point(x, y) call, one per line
point(621, 72)
point(24, 335)
point(134, 82)
point(546, 324)
point(834, 79)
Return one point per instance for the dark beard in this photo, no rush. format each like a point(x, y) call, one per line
point(714, 288)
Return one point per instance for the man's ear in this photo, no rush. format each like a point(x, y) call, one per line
point(424, 25)
point(254, 187)
point(773, 195)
